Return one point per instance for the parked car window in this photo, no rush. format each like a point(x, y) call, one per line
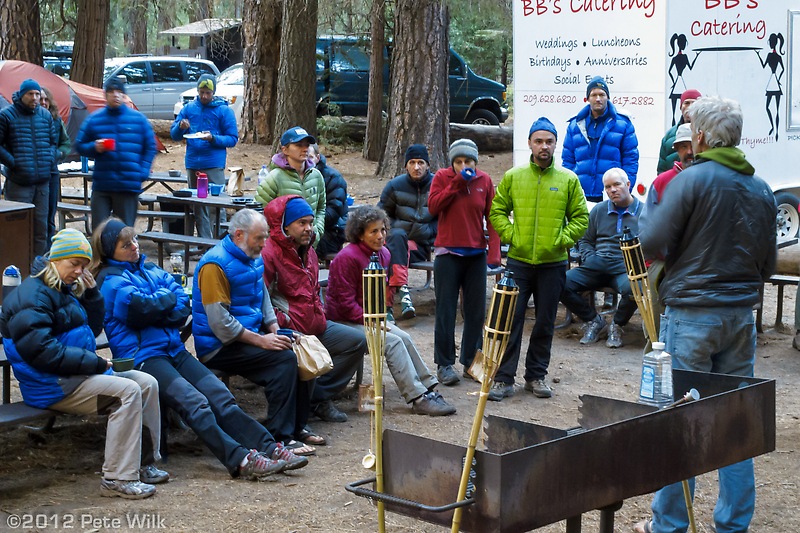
point(166, 71)
point(349, 57)
point(195, 70)
point(135, 73)
point(456, 68)
point(231, 76)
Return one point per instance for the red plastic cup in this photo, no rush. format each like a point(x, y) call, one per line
point(109, 144)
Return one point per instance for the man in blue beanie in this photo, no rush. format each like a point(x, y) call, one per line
point(28, 148)
point(550, 216)
point(211, 124)
point(600, 138)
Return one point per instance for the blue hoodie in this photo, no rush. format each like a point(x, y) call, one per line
point(215, 117)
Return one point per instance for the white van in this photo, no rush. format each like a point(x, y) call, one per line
point(154, 82)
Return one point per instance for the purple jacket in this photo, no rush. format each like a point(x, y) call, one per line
point(345, 299)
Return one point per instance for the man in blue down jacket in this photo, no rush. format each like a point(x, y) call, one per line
point(210, 117)
point(599, 138)
point(122, 144)
point(28, 148)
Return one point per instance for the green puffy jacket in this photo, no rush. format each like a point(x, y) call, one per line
point(667, 155)
point(549, 213)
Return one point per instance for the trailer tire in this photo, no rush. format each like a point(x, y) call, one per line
point(788, 222)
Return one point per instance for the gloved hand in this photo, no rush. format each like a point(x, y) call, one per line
point(468, 173)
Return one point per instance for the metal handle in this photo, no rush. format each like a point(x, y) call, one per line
point(355, 488)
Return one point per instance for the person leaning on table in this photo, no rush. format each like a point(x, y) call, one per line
point(49, 324)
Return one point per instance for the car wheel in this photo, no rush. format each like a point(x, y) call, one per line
point(788, 215)
point(482, 117)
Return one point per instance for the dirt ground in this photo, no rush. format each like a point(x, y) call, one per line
point(53, 477)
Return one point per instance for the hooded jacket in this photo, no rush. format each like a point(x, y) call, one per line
point(716, 231)
point(406, 204)
point(144, 309)
point(215, 117)
point(292, 275)
point(49, 339)
point(345, 301)
point(335, 203)
point(28, 143)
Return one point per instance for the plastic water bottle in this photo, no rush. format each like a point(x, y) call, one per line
point(262, 174)
point(202, 185)
point(656, 385)
point(11, 280)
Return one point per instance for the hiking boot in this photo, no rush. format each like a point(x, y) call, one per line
point(614, 336)
point(390, 316)
point(259, 465)
point(432, 404)
point(407, 309)
point(328, 412)
point(501, 390)
point(539, 388)
point(594, 328)
point(447, 375)
point(152, 475)
point(288, 457)
point(130, 490)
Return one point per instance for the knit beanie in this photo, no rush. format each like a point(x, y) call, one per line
point(207, 81)
point(296, 208)
point(463, 148)
point(597, 83)
point(29, 85)
point(417, 151)
point(114, 83)
point(69, 243)
point(690, 94)
point(109, 237)
point(542, 124)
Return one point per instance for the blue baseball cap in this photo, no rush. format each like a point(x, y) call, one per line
point(295, 135)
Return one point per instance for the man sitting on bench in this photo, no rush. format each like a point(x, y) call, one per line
point(602, 264)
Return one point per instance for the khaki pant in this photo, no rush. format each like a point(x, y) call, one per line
point(131, 401)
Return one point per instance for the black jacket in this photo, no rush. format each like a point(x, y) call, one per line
point(406, 203)
point(335, 208)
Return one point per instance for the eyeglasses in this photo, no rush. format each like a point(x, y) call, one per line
point(127, 246)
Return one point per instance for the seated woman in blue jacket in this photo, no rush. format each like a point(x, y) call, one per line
point(144, 310)
point(49, 324)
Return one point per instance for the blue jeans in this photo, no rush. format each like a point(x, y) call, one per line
point(720, 340)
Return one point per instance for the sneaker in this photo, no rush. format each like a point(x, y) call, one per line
point(539, 388)
point(407, 310)
point(152, 475)
point(432, 404)
point(614, 336)
point(259, 465)
point(328, 412)
point(501, 390)
point(466, 375)
point(390, 316)
point(447, 375)
point(287, 456)
point(130, 490)
point(594, 328)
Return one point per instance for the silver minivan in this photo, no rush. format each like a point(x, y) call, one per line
point(155, 82)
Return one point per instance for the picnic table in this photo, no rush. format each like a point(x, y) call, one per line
point(217, 203)
point(169, 182)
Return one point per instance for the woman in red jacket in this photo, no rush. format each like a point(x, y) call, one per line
point(461, 197)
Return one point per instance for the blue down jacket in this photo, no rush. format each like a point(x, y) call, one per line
point(28, 143)
point(217, 118)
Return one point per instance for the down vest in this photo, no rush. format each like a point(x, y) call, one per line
point(617, 146)
point(28, 143)
point(406, 203)
point(128, 165)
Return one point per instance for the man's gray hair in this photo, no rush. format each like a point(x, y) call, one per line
point(720, 120)
point(244, 219)
point(616, 172)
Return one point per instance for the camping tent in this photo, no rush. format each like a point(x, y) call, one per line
point(75, 100)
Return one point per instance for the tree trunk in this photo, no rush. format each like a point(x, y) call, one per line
point(136, 32)
point(20, 31)
point(373, 143)
point(419, 94)
point(262, 51)
point(297, 72)
point(166, 20)
point(203, 9)
point(88, 56)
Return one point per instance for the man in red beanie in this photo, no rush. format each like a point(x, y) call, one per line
point(668, 155)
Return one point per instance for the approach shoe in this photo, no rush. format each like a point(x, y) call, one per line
point(539, 388)
point(288, 457)
point(390, 316)
point(432, 404)
point(328, 412)
point(259, 465)
point(152, 475)
point(614, 336)
point(447, 375)
point(501, 390)
point(594, 328)
point(130, 490)
point(407, 308)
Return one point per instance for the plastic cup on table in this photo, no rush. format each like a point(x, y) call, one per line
point(215, 189)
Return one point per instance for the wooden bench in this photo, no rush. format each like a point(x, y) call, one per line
point(427, 267)
point(17, 413)
point(780, 281)
point(161, 238)
point(68, 212)
point(152, 214)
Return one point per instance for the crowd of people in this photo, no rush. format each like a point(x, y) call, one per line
point(708, 226)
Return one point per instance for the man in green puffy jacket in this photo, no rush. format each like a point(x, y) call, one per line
point(549, 216)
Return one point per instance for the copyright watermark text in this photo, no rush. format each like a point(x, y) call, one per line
point(84, 521)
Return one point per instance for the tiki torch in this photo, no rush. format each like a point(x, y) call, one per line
point(496, 332)
point(374, 291)
point(640, 283)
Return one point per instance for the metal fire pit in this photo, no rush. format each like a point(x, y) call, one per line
point(532, 475)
